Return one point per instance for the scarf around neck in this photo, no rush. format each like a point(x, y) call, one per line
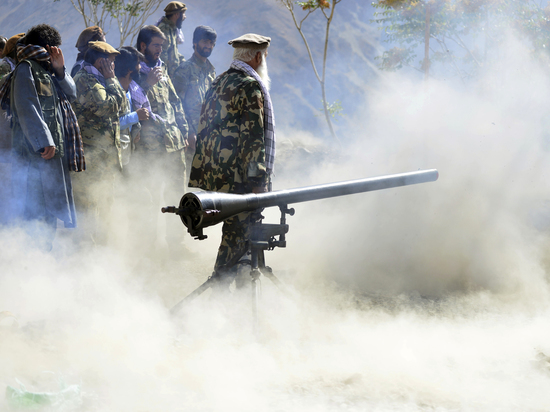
point(145, 69)
point(269, 117)
point(90, 69)
point(140, 99)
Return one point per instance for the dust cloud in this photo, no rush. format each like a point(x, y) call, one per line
point(429, 297)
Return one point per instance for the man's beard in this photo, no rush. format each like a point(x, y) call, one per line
point(179, 22)
point(149, 58)
point(135, 75)
point(264, 75)
point(204, 52)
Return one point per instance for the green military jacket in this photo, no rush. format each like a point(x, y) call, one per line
point(171, 134)
point(230, 153)
point(192, 79)
point(170, 54)
point(98, 109)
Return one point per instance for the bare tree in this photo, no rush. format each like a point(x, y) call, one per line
point(327, 8)
point(129, 15)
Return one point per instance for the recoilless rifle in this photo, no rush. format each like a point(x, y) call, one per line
point(199, 210)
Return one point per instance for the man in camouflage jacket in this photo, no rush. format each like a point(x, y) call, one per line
point(170, 25)
point(193, 78)
point(236, 145)
point(160, 151)
point(100, 103)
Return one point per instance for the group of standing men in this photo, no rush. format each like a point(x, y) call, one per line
point(144, 109)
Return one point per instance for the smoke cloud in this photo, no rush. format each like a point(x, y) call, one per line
point(429, 297)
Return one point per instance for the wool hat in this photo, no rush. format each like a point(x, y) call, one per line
point(103, 47)
point(174, 7)
point(12, 41)
point(88, 34)
point(250, 40)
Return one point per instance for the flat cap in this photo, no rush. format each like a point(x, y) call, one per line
point(12, 41)
point(174, 7)
point(103, 47)
point(250, 40)
point(88, 34)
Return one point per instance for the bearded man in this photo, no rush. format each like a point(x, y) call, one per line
point(170, 25)
point(192, 79)
point(159, 156)
point(45, 134)
point(236, 145)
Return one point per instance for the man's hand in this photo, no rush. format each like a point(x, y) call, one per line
point(155, 74)
point(57, 60)
point(106, 68)
point(48, 152)
point(143, 114)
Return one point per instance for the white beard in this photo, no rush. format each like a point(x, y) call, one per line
point(263, 73)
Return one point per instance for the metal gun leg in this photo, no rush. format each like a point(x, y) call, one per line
point(255, 275)
point(177, 307)
point(268, 272)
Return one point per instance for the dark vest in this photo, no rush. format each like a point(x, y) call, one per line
point(49, 103)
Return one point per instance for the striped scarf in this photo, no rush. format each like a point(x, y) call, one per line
point(140, 100)
point(73, 139)
point(145, 69)
point(269, 118)
point(90, 69)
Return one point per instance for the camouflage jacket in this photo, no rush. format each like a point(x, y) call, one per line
point(230, 153)
point(171, 134)
point(98, 109)
point(170, 54)
point(192, 79)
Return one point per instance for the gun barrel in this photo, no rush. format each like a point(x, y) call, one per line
point(202, 209)
point(324, 191)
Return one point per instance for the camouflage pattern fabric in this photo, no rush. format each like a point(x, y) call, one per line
point(192, 79)
point(234, 244)
point(170, 54)
point(156, 135)
point(230, 153)
point(98, 109)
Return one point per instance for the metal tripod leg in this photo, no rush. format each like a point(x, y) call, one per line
point(255, 275)
point(177, 307)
